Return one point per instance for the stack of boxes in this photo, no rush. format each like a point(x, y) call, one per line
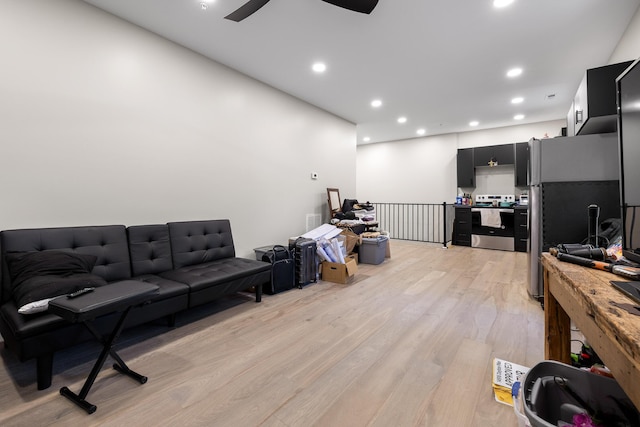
point(339, 272)
point(335, 253)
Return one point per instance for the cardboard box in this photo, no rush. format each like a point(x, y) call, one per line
point(352, 239)
point(340, 273)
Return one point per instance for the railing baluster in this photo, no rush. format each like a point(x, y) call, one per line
point(422, 222)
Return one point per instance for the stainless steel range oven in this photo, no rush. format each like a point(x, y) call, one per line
point(492, 228)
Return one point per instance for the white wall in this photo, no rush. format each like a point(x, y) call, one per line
point(420, 170)
point(105, 123)
point(511, 134)
point(423, 170)
point(498, 180)
point(629, 46)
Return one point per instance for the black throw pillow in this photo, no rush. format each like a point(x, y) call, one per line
point(38, 288)
point(25, 265)
point(41, 275)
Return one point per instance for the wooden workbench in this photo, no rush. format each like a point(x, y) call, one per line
point(584, 295)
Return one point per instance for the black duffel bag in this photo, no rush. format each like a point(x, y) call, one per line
point(282, 269)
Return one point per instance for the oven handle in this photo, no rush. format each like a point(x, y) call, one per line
point(499, 210)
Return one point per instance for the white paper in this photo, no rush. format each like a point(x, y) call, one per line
point(506, 373)
point(326, 231)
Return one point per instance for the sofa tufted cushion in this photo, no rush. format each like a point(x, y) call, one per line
point(166, 288)
point(198, 242)
point(150, 249)
point(216, 272)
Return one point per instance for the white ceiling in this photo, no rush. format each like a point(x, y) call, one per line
point(440, 63)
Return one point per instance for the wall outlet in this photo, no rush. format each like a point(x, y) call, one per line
point(314, 175)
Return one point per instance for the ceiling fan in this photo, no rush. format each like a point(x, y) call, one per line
point(252, 6)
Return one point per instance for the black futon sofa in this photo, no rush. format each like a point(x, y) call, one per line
point(191, 262)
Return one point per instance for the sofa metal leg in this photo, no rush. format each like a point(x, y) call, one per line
point(44, 370)
point(258, 293)
point(171, 320)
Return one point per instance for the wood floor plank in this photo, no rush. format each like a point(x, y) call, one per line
point(408, 343)
point(451, 404)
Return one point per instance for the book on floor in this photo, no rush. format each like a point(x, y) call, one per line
point(505, 374)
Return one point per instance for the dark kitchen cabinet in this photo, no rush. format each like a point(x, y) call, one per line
point(507, 154)
point(521, 163)
point(465, 168)
point(500, 154)
point(521, 229)
point(594, 107)
point(462, 227)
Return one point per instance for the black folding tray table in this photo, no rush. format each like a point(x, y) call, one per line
point(116, 297)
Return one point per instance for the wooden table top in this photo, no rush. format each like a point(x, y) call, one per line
point(590, 297)
point(595, 293)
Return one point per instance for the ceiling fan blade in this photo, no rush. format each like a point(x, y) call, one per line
point(362, 6)
point(246, 10)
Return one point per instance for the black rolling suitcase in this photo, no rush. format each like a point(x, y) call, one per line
point(282, 270)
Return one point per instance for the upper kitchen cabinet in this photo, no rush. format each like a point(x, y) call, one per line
point(594, 106)
point(469, 159)
point(494, 155)
point(466, 171)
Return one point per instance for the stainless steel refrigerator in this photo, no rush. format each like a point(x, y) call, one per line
point(566, 175)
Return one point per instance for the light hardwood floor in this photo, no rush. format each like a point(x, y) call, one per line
point(410, 342)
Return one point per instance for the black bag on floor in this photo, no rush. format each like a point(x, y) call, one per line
point(282, 270)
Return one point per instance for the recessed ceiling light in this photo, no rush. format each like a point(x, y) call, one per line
point(376, 103)
point(518, 117)
point(366, 139)
point(319, 67)
point(204, 4)
point(402, 120)
point(474, 123)
point(501, 3)
point(517, 100)
point(421, 131)
point(514, 72)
